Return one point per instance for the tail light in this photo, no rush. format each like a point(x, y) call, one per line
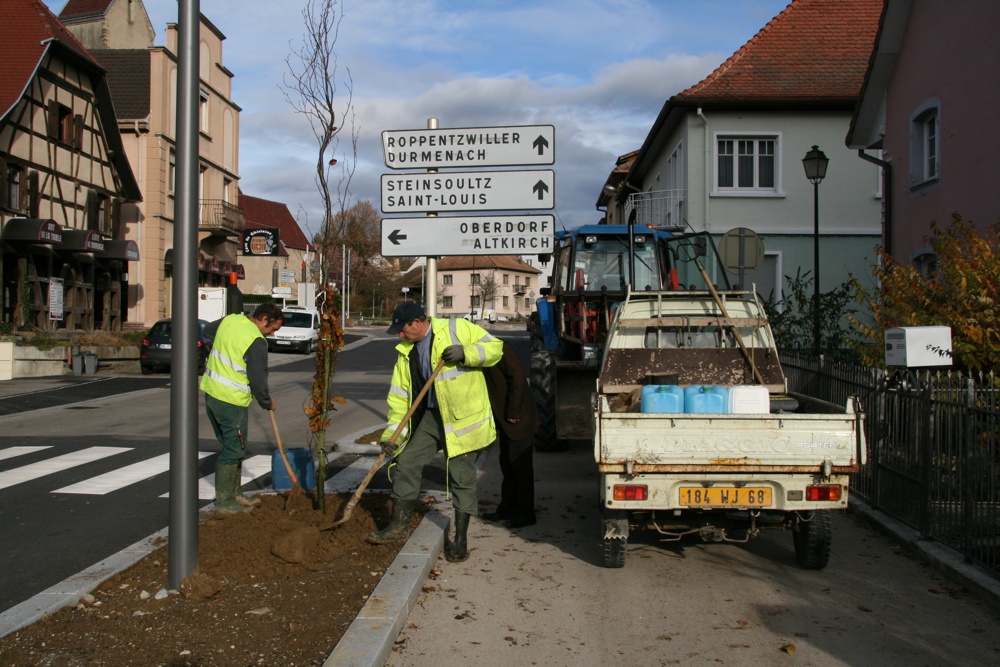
point(823, 492)
point(631, 492)
point(145, 341)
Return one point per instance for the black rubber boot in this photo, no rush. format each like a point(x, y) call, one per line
point(457, 551)
point(227, 483)
point(399, 524)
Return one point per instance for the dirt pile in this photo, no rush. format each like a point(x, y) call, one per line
point(272, 589)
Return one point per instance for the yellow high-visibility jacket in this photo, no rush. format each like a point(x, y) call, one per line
point(225, 375)
point(461, 389)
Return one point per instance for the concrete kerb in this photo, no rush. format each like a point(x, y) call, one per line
point(368, 639)
point(951, 563)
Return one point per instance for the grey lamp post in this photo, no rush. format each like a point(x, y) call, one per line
point(815, 163)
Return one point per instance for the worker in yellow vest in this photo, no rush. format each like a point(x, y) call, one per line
point(454, 416)
point(235, 375)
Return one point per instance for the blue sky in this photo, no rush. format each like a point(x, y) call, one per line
point(599, 71)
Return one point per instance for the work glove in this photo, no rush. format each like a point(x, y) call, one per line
point(453, 353)
point(389, 448)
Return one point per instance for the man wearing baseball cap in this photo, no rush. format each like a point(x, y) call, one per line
point(454, 416)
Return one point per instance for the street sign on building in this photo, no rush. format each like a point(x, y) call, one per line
point(468, 191)
point(468, 235)
point(466, 147)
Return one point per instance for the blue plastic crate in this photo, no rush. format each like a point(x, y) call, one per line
point(302, 464)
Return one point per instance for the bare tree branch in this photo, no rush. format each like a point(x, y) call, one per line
point(311, 88)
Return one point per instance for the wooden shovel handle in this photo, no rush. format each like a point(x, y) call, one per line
point(281, 448)
point(349, 507)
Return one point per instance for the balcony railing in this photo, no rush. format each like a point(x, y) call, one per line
point(520, 290)
point(662, 209)
point(221, 217)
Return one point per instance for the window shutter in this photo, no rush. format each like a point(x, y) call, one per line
point(78, 131)
point(33, 203)
point(22, 192)
point(91, 212)
point(3, 183)
point(116, 220)
point(53, 119)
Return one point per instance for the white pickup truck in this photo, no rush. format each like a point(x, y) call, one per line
point(768, 459)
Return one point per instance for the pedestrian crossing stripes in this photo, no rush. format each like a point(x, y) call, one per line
point(253, 468)
point(122, 477)
point(56, 464)
point(11, 452)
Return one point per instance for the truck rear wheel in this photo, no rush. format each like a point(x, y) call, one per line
point(615, 527)
point(812, 537)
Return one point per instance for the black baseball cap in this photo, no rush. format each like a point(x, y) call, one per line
point(405, 312)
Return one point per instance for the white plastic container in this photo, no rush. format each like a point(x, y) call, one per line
point(747, 400)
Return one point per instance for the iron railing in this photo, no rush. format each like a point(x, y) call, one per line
point(221, 217)
point(662, 209)
point(932, 448)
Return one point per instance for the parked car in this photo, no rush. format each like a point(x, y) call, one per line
point(157, 347)
point(299, 333)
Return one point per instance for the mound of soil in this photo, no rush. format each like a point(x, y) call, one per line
point(272, 588)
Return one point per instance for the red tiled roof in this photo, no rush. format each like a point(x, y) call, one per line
point(79, 9)
point(24, 29)
point(484, 262)
point(265, 213)
point(814, 50)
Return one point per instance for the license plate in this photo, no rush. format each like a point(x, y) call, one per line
point(725, 496)
point(283, 342)
point(164, 346)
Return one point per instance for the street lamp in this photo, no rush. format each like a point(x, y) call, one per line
point(815, 163)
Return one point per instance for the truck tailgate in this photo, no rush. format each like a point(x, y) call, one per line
point(785, 442)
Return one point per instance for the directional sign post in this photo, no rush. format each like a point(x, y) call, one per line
point(522, 145)
point(468, 191)
point(472, 235)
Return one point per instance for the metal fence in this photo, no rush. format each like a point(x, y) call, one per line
point(932, 448)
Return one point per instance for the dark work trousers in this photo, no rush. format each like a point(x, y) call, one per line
point(427, 440)
point(517, 491)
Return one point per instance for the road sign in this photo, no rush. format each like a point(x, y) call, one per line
point(741, 248)
point(468, 235)
point(521, 145)
point(281, 291)
point(468, 191)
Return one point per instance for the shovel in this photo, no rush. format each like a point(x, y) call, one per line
point(296, 489)
point(349, 507)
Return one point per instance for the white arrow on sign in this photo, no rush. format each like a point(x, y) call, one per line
point(468, 191)
point(468, 235)
point(519, 145)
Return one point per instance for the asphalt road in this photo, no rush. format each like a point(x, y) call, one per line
point(83, 459)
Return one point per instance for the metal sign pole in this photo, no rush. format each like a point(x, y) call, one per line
point(430, 295)
point(183, 525)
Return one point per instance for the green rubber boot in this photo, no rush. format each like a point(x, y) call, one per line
point(457, 551)
point(245, 501)
point(227, 483)
point(399, 524)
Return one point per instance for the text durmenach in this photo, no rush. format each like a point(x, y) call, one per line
point(395, 155)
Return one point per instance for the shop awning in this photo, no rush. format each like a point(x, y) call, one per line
point(82, 240)
point(127, 251)
point(32, 230)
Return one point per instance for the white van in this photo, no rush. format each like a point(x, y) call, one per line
point(479, 314)
point(299, 333)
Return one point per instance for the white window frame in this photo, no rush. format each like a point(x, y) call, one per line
point(925, 144)
point(755, 189)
